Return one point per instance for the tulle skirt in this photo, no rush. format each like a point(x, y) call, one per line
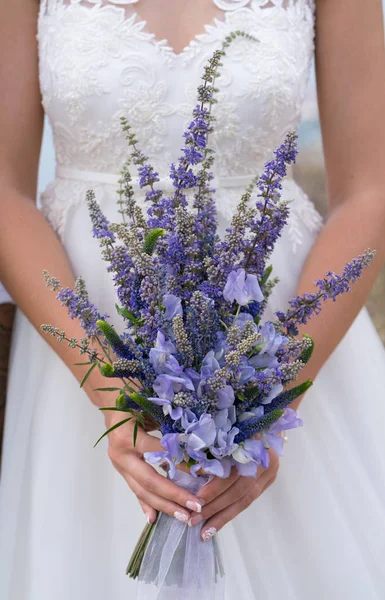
point(69, 522)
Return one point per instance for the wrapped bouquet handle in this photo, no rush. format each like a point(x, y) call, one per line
point(177, 563)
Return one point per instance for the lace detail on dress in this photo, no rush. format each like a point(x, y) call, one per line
point(99, 63)
point(221, 4)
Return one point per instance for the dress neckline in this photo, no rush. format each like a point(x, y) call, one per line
point(229, 7)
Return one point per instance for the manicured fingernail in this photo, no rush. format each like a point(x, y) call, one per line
point(195, 520)
point(208, 534)
point(148, 519)
point(194, 506)
point(181, 516)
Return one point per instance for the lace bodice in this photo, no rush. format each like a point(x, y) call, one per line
point(99, 61)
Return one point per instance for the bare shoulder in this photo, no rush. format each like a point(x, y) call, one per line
point(21, 113)
point(350, 69)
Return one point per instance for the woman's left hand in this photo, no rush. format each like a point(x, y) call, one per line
point(224, 499)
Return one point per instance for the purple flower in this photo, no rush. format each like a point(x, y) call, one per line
point(174, 453)
point(173, 306)
point(160, 354)
point(245, 371)
point(222, 420)
point(210, 466)
point(302, 308)
point(289, 420)
point(166, 386)
point(100, 223)
point(225, 445)
point(79, 307)
point(168, 409)
point(225, 397)
point(171, 442)
point(242, 287)
point(188, 419)
point(156, 458)
point(202, 434)
point(272, 343)
point(244, 318)
point(210, 362)
point(273, 393)
point(249, 455)
point(258, 411)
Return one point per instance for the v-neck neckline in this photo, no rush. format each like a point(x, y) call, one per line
point(164, 42)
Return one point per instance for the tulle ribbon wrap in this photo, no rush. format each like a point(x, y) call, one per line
point(177, 564)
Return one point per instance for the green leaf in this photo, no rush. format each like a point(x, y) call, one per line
point(112, 429)
point(151, 240)
point(127, 315)
point(251, 392)
point(267, 420)
point(86, 376)
point(266, 275)
point(149, 407)
point(135, 432)
point(109, 332)
point(107, 389)
point(289, 396)
point(128, 410)
point(305, 356)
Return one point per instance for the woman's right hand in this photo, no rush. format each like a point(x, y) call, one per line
point(154, 491)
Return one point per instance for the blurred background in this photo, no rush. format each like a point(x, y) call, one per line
point(309, 172)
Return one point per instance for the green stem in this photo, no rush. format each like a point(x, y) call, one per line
point(136, 559)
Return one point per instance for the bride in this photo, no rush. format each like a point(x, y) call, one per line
point(314, 527)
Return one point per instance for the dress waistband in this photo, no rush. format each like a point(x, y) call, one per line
point(165, 183)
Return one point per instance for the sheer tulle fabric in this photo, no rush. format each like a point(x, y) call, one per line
point(177, 563)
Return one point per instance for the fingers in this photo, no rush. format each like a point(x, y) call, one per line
point(130, 464)
point(123, 436)
point(158, 485)
point(156, 503)
point(146, 443)
point(220, 519)
point(217, 486)
point(148, 511)
point(235, 492)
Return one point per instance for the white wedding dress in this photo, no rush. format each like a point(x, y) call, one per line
point(68, 520)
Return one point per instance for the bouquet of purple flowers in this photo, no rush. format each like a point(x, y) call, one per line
point(195, 355)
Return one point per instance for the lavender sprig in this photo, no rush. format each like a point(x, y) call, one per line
point(303, 307)
point(77, 303)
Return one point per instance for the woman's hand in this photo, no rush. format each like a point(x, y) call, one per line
point(154, 491)
point(224, 499)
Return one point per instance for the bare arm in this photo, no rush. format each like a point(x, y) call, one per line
point(350, 69)
point(350, 64)
point(28, 244)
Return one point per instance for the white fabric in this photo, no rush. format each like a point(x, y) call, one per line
point(4, 296)
point(68, 520)
point(177, 563)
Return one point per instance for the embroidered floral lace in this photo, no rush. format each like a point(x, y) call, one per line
point(99, 61)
